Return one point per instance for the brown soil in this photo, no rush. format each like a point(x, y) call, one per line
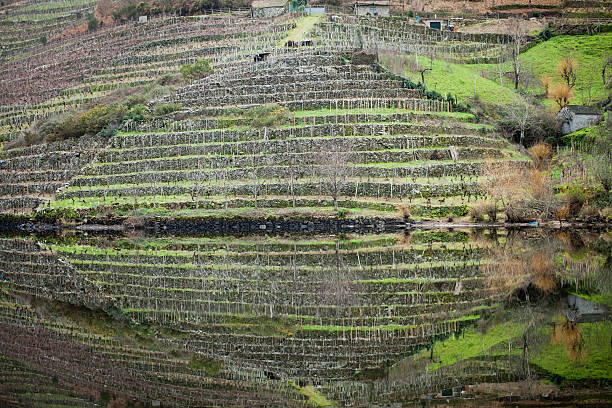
point(524, 389)
point(503, 26)
point(477, 7)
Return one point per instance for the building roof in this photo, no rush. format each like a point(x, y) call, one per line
point(372, 3)
point(582, 110)
point(268, 3)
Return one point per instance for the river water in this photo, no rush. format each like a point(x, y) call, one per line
point(425, 316)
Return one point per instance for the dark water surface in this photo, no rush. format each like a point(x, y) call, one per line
point(460, 317)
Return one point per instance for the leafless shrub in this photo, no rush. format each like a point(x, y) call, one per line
point(477, 212)
point(540, 154)
point(569, 335)
point(404, 210)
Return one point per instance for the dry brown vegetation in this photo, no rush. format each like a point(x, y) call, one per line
point(479, 210)
point(542, 266)
point(503, 181)
point(567, 70)
point(546, 82)
point(404, 210)
point(507, 273)
point(540, 154)
point(510, 271)
point(561, 94)
point(568, 335)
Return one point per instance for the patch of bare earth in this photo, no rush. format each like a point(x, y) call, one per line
point(522, 389)
point(503, 26)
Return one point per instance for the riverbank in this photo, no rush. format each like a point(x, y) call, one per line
point(53, 221)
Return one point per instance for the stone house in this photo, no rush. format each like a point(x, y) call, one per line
point(268, 8)
point(372, 8)
point(576, 117)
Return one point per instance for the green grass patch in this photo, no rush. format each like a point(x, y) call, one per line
point(462, 81)
point(302, 29)
point(589, 50)
point(597, 360)
point(315, 397)
point(471, 343)
point(543, 59)
point(208, 365)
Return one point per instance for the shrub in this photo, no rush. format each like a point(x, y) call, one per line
point(534, 124)
point(575, 197)
point(540, 154)
point(404, 210)
point(601, 167)
point(542, 267)
point(538, 185)
point(478, 211)
point(210, 366)
point(268, 115)
point(506, 274)
point(568, 334)
point(545, 282)
point(92, 22)
point(137, 112)
point(505, 181)
point(491, 211)
point(90, 122)
point(546, 34)
point(169, 79)
point(43, 39)
point(198, 70)
point(128, 12)
point(166, 108)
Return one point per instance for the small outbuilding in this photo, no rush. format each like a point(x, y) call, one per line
point(372, 8)
point(435, 23)
point(264, 56)
point(268, 8)
point(576, 117)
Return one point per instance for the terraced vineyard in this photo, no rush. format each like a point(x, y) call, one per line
point(293, 124)
point(353, 135)
point(388, 144)
point(309, 311)
point(405, 36)
point(23, 25)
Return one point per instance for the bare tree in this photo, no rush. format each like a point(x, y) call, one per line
point(520, 116)
point(500, 69)
point(567, 70)
point(333, 167)
point(519, 39)
point(422, 72)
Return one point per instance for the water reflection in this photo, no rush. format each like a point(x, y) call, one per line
point(355, 320)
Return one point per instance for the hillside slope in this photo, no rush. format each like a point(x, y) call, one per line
point(315, 131)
